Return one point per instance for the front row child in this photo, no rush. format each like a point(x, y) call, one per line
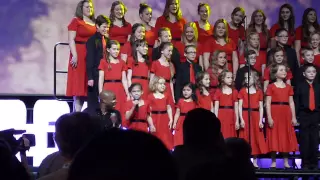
point(252, 87)
point(137, 110)
point(226, 105)
point(281, 116)
point(202, 92)
point(185, 104)
point(161, 111)
point(307, 99)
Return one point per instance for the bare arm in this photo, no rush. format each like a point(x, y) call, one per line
point(172, 90)
point(176, 117)
point(293, 111)
point(169, 110)
point(101, 80)
point(235, 62)
point(216, 107)
point(236, 108)
point(261, 111)
point(263, 67)
point(125, 83)
point(297, 47)
point(72, 44)
point(151, 77)
point(151, 125)
point(130, 112)
point(288, 81)
point(124, 57)
point(129, 77)
point(201, 63)
point(240, 110)
point(268, 107)
point(212, 107)
point(206, 62)
point(265, 85)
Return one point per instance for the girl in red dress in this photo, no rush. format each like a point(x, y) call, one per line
point(189, 37)
point(137, 110)
point(221, 41)
point(253, 43)
point(120, 29)
point(112, 74)
point(161, 111)
point(281, 115)
point(309, 24)
point(235, 27)
point(286, 20)
point(277, 56)
point(138, 33)
point(219, 64)
point(80, 29)
point(203, 95)
point(315, 45)
point(172, 18)
point(139, 67)
point(205, 29)
point(164, 68)
point(145, 14)
point(258, 25)
point(185, 104)
point(226, 105)
point(257, 141)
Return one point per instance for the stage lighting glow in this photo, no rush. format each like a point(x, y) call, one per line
point(13, 114)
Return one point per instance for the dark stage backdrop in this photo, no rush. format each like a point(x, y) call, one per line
point(30, 29)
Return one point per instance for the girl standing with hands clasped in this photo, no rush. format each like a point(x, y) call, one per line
point(112, 74)
point(185, 104)
point(281, 115)
point(256, 139)
point(203, 95)
point(139, 66)
point(137, 110)
point(226, 105)
point(161, 111)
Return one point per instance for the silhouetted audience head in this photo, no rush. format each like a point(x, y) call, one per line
point(123, 155)
point(74, 130)
point(201, 128)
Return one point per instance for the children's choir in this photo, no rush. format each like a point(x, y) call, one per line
point(160, 73)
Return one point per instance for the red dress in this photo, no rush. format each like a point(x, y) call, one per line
point(77, 83)
point(317, 60)
point(176, 28)
point(164, 72)
point(126, 49)
point(120, 33)
point(263, 41)
point(236, 34)
point(260, 60)
point(211, 46)
point(214, 82)
point(138, 120)
point(257, 141)
point(113, 80)
point(160, 119)
point(140, 74)
point(282, 137)
point(184, 107)
point(180, 46)
point(151, 36)
point(273, 30)
point(204, 101)
point(266, 75)
point(203, 35)
point(226, 112)
point(304, 44)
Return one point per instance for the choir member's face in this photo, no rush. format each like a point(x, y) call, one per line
point(254, 41)
point(285, 14)
point(140, 32)
point(191, 53)
point(228, 79)
point(167, 52)
point(189, 33)
point(282, 37)
point(312, 17)
point(165, 36)
point(161, 85)
point(308, 56)
point(103, 29)
point(173, 8)
point(237, 17)
point(222, 59)
point(221, 29)
point(143, 49)
point(252, 59)
point(87, 9)
point(258, 19)
point(114, 50)
point(248, 81)
point(136, 92)
point(187, 92)
point(119, 11)
point(146, 15)
point(204, 13)
point(310, 73)
point(315, 40)
point(206, 80)
point(278, 57)
point(282, 72)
